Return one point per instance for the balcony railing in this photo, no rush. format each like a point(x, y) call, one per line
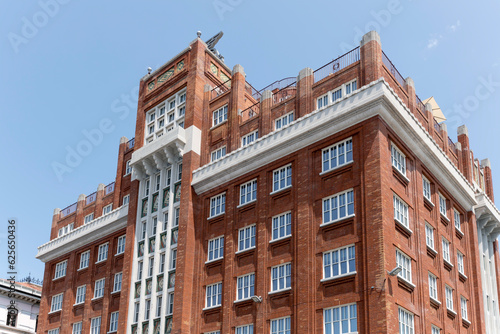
point(130, 144)
point(252, 91)
point(69, 210)
point(420, 104)
point(251, 111)
point(285, 93)
point(337, 64)
point(437, 126)
point(451, 144)
point(90, 198)
point(279, 84)
point(394, 71)
point(109, 188)
point(220, 89)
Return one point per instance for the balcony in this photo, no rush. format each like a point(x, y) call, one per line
point(96, 229)
point(487, 216)
point(159, 153)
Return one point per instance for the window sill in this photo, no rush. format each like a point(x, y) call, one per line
point(280, 239)
point(451, 314)
point(279, 291)
point(211, 308)
point(216, 216)
point(338, 277)
point(54, 312)
point(445, 220)
point(209, 262)
point(217, 125)
point(337, 221)
point(80, 269)
point(96, 298)
point(242, 300)
point(274, 192)
point(245, 250)
point(459, 233)
point(431, 252)
point(428, 203)
point(79, 304)
point(402, 177)
point(98, 262)
point(466, 323)
point(407, 285)
point(247, 203)
point(462, 277)
point(336, 168)
point(447, 265)
point(406, 231)
point(56, 279)
point(435, 303)
point(118, 254)
point(115, 292)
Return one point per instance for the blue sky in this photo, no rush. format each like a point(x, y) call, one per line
point(66, 66)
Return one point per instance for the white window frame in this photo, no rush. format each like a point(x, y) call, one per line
point(463, 308)
point(398, 159)
point(126, 200)
point(113, 322)
point(102, 253)
point(449, 297)
point(213, 291)
point(165, 116)
point(337, 258)
point(406, 321)
point(128, 168)
point(249, 138)
point(433, 293)
point(117, 282)
point(88, 218)
point(151, 265)
point(60, 270)
point(215, 249)
point(56, 303)
point(53, 331)
point(80, 294)
point(140, 267)
point(136, 312)
point(120, 245)
point(429, 235)
point(99, 288)
point(248, 192)
point(95, 325)
point(281, 325)
point(217, 205)
point(446, 250)
point(286, 118)
point(281, 226)
point(147, 309)
point(245, 329)
point(404, 262)
point(426, 185)
point(84, 260)
point(219, 115)
point(456, 220)
point(332, 207)
point(161, 269)
point(143, 230)
point(401, 211)
point(323, 101)
point(107, 209)
point(345, 309)
point(442, 205)
point(159, 300)
point(460, 263)
point(331, 156)
point(173, 259)
point(77, 328)
point(435, 330)
point(245, 287)
point(218, 154)
point(170, 303)
point(282, 174)
point(282, 275)
point(247, 235)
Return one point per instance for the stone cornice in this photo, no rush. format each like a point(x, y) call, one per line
point(96, 229)
point(374, 99)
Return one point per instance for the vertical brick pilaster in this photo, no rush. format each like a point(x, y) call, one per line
point(266, 103)
point(488, 180)
point(237, 104)
point(371, 57)
point(444, 134)
point(119, 172)
point(98, 201)
point(463, 139)
point(206, 124)
point(412, 100)
point(140, 121)
point(304, 95)
point(460, 166)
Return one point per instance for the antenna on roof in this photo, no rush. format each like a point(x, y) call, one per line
point(212, 42)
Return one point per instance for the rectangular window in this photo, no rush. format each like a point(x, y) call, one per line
point(147, 308)
point(338, 262)
point(442, 205)
point(218, 205)
point(351, 87)
point(84, 259)
point(282, 178)
point(60, 269)
point(136, 312)
point(220, 115)
point(427, 188)
point(128, 168)
point(95, 325)
point(216, 248)
point(77, 328)
point(433, 286)
point(336, 94)
point(157, 182)
point(170, 306)
point(338, 206)
point(406, 325)
point(456, 218)
point(56, 304)
point(177, 213)
point(102, 253)
point(150, 267)
point(179, 171)
point(449, 297)
point(463, 307)
point(169, 177)
point(322, 101)
point(446, 250)
point(173, 259)
point(53, 331)
point(398, 159)
point(80, 294)
point(117, 286)
point(162, 263)
point(99, 288)
point(404, 262)
point(429, 236)
point(159, 300)
point(280, 326)
point(113, 322)
point(341, 319)
point(218, 153)
point(283, 120)
point(146, 187)
point(126, 199)
point(281, 277)
point(249, 138)
point(107, 209)
point(282, 226)
point(435, 330)
point(337, 155)
point(248, 192)
point(154, 225)
point(247, 329)
point(245, 287)
point(246, 238)
point(460, 262)
point(120, 247)
point(401, 211)
point(139, 270)
point(88, 218)
point(214, 295)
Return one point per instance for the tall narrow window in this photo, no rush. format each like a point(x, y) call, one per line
point(56, 304)
point(80, 294)
point(446, 250)
point(429, 236)
point(442, 205)
point(113, 322)
point(463, 307)
point(117, 284)
point(95, 325)
point(406, 322)
point(456, 218)
point(398, 159)
point(120, 247)
point(84, 259)
point(322, 101)
point(99, 288)
point(60, 269)
point(404, 262)
point(460, 263)
point(102, 253)
point(220, 115)
point(77, 328)
point(427, 189)
point(449, 297)
point(401, 211)
point(433, 286)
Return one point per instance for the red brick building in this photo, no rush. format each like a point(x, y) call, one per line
point(283, 210)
